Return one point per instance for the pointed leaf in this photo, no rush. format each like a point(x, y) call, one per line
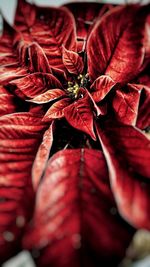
point(72, 61)
point(96, 107)
point(42, 156)
point(74, 207)
point(34, 84)
point(49, 28)
point(48, 96)
point(7, 55)
point(56, 111)
point(20, 135)
point(38, 61)
point(127, 152)
point(126, 104)
point(80, 115)
point(102, 86)
point(117, 50)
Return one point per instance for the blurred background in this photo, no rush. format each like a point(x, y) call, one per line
point(8, 6)
point(138, 254)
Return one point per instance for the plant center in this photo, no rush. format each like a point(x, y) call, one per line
point(75, 85)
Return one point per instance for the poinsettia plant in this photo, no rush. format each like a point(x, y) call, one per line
point(74, 132)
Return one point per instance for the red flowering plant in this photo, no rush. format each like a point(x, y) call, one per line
point(74, 132)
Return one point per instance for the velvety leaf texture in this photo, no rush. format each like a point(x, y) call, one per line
point(73, 209)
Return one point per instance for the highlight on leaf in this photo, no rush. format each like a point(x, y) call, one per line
point(74, 132)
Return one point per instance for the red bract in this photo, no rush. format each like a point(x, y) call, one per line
point(75, 224)
point(20, 136)
point(74, 135)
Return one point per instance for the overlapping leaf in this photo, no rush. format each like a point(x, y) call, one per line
point(56, 111)
point(42, 155)
point(101, 87)
point(38, 61)
point(9, 67)
point(48, 96)
point(117, 52)
point(80, 115)
point(75, 221)
point(49, 28)
point(86, 17)
point(34, 84)
point(127, 152)
point(20, 134)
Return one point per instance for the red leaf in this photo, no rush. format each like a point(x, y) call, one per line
point(20, 134)
point(48, 96)
point(34, 84)
point(117, 50)
point(72, 61)
point(49, 28)
point(127, 152)
point(7, 55)
point(80, 116)
point(60, 74)
point(73, 210)
point(25, 15)
point(42, 156)
point(56, 111)
point(10, 72)
point(147, 39)
point(144, 79)
point(126, 104)
point(38, 61)
point(7, 102)
point(86, 16)
point(102, 86)
point(95, 106)
point(143, 119)
point(9, 63)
